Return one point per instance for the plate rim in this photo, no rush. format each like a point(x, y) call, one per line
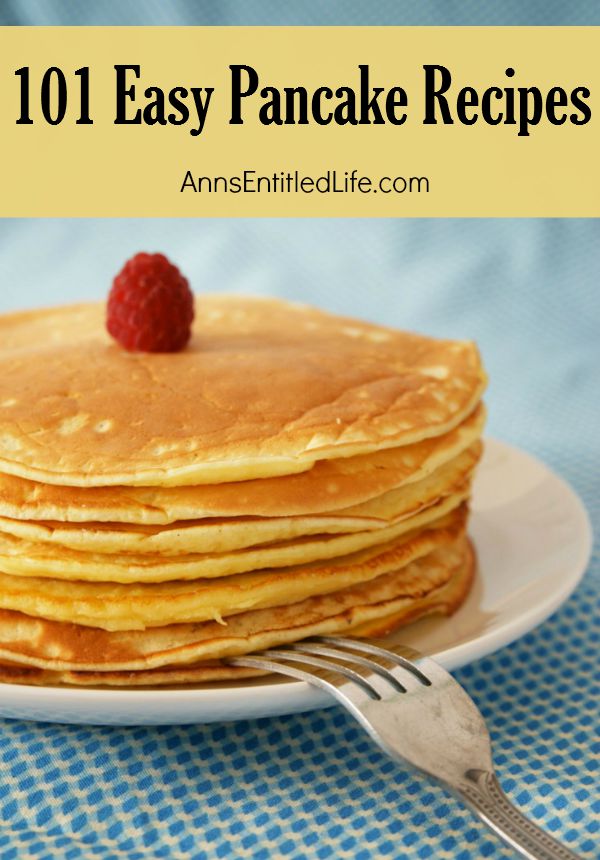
point(300, 695)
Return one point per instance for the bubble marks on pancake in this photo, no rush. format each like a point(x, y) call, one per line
point(314, 387)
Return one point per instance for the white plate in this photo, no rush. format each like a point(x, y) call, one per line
point(533, 540)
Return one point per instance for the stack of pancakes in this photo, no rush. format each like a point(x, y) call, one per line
point(290, 473)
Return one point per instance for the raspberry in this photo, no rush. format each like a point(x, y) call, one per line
point(150, 306)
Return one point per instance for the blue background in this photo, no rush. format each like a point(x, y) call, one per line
point(313, 786)
point(307, 12)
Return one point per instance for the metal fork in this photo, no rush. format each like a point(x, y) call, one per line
point(419, 715)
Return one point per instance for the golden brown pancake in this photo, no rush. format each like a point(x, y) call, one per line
point(27, 559)
point(218, 535)
point(265, 388)
point(38, 651)
point(136, 606)
point(204, 673)
point(290, 473)
point(329, 485)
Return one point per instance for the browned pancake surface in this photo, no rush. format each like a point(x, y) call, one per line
point(265, 387)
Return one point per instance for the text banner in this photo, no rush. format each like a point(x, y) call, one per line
point(300, 121)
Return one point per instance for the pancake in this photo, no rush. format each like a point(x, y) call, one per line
point(77, 410)
point(227, 534)
point(136, 606)
point(290, 473)
point(171, 677)
point(27, 559)
point(329, 485)
point(435, 583)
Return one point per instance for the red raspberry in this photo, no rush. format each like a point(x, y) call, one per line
point(150, 306)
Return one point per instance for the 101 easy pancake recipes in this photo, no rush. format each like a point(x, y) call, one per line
point(287, 473)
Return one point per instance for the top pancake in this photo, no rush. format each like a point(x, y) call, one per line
point(265, 388)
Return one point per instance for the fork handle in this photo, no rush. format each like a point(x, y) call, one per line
point(481, 791)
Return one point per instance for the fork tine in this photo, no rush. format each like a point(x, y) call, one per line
point(430, 669)
point(387, 653)
point(311, 647)
point(346, 685)
point(317, 663)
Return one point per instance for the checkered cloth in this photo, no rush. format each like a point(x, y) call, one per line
point(314, 785)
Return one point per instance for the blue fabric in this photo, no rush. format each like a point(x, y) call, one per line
point(314, 786)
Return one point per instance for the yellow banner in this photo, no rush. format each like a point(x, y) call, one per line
point(300, 121)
